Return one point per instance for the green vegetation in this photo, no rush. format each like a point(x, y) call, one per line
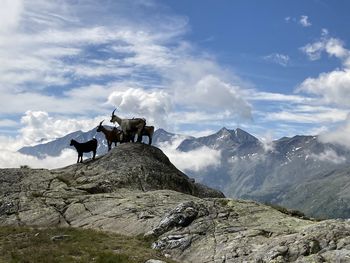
point(290, 212)
point(20, 244)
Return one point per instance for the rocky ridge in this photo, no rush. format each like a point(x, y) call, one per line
point(135, 190)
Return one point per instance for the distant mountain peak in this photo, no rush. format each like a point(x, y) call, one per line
point(238, 135)
point(224, 131)
point(243, 136)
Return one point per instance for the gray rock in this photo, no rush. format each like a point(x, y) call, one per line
point(135, 190)
point(155, 261)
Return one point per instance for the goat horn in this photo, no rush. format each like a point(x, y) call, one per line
point(114, 111)
point(101, 122)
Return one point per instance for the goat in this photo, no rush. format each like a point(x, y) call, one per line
point(85, 147)
point(111, 135)
point(148, 131)
point(130, 127)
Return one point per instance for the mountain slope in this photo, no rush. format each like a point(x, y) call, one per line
point(248, 169)
point(277, 173)
point(130, 191)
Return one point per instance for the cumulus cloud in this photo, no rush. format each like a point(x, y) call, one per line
point(333, 87)
point(38, 125)
point(332, 46)
point(153, 105)
point(201, 85)
point(329, 155)
point(196, 160)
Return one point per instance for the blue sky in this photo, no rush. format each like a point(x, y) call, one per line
point(273, 68)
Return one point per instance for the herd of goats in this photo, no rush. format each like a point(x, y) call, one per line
point(129, 128)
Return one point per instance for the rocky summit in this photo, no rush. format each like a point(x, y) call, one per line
point(135, 190)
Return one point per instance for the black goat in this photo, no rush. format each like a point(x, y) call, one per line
point(85, 147)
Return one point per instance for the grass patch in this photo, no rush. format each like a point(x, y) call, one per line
point(290, 212)
point(61, 245)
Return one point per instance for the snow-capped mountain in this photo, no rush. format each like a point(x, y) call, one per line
point(55, 147)
point(281, 173)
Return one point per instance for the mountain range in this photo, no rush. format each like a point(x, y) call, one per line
point(297, 172)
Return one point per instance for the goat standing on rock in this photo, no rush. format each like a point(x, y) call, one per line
point(85, 147)
point(148, 131)
point(111, 135)
point(130, 127)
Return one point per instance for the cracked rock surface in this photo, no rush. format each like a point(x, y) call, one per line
point(135, 190)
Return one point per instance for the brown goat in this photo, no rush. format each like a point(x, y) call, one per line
point(148, 131)
point(130, 127)
point(111, 135)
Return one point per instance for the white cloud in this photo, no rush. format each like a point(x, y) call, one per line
point(216, 94)
point(49, 51)
point(200, 85)
point(287, 19)
point(278, 97)
point(333, 87)
point(11, 159)
point(10, 13)
point(45, 44)
point(50, 47)
point(329, 155)
point(136, 102)
point(339, 135)
point(38, 125)
point(308, 114)
point(196, 160)
point(332, 46)
point(8, 123)
point(277, 58)
point(267, 141)
point(304, 21)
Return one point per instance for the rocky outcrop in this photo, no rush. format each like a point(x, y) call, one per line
point(135, 190)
